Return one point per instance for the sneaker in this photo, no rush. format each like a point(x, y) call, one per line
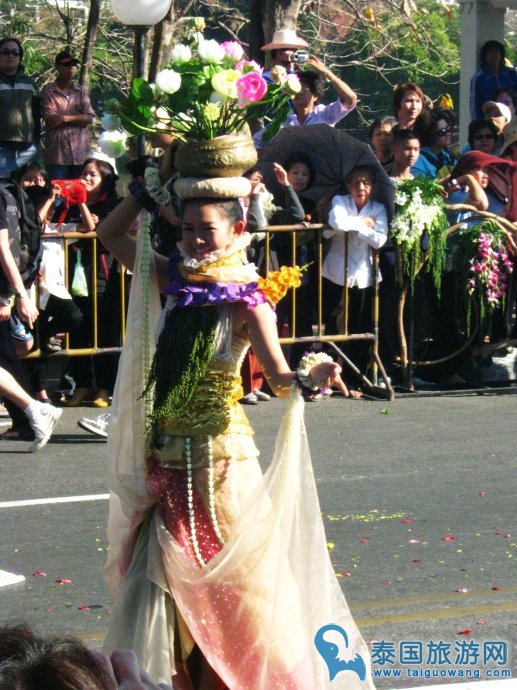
point(381, 383)
point(43, 420)
point(249, 399)
point(260, 395)
point(97, 426)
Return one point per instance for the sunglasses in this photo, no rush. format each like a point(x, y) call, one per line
point(443, 131)
point(13, 52)
point(486, 137)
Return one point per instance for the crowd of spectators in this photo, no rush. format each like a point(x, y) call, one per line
point(83, 298)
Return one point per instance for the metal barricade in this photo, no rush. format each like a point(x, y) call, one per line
point(319, 337)
point(69, 238)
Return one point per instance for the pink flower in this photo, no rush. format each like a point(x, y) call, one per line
point(251, 87)
point(232, 50)
point(248, 66)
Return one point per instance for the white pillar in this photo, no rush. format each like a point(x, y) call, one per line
point(481, 21)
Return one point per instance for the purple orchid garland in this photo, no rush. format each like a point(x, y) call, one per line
point(490, 269)
point(199, 295)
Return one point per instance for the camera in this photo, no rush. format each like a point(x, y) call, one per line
point(300, 56)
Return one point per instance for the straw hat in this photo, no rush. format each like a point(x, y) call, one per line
point(285, 38)
point(510, 136)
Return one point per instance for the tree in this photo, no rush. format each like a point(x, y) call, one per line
point(374, 47)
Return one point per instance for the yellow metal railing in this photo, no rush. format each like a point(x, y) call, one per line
point(318, 336)
point(69, 238)
point(333, 340)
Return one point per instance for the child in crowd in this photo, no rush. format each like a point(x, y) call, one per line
point(365, 224)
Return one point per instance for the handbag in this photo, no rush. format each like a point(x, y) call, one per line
point(79, 284)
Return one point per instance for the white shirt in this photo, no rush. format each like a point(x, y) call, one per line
point(329, 114)
point(52, 268)
point(344, 217)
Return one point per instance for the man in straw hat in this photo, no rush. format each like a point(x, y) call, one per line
point(284, 44)
point(306, 110)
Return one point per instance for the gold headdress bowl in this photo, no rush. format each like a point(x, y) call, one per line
point(213, 168)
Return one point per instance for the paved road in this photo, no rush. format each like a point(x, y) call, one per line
point(394, 481)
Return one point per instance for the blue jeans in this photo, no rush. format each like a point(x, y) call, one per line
point(56, 171)
point(13, 158)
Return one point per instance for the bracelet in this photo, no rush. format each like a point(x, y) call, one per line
point(307, 362)
point(140, 194)
point(305, 391)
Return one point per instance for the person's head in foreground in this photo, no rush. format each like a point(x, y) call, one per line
point(29, 662)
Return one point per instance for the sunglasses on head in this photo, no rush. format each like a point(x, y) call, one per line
point(479, 137)
point(443, 131)
point(8, 51)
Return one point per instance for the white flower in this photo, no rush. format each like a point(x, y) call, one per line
point(210, 52)
point(278, 74)
point(292, 84)
point(217, 98)
point(307, 362)
point(168, 81)
point(180, 53)
point(110, 122)
point(268, 205)
point(113, 144)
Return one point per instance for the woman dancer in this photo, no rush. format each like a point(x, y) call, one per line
point(222, 574)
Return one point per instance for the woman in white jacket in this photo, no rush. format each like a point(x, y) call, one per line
point(365, 223)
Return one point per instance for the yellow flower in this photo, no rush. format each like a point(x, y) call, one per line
point(277, 283)
point(224, 82)
point(211, 111)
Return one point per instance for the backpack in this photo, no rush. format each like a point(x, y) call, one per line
point(24, 227)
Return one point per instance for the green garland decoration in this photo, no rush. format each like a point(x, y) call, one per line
point(184, 350)
point(145, 270)
point(420, 216)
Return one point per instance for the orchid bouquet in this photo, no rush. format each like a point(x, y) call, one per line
point(208, 90)
point(419, 225)
point(490, 267)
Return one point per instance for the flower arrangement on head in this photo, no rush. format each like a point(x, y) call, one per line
point(208, 90)
point(420, 225)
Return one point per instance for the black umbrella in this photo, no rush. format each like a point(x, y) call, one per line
point(333, 154)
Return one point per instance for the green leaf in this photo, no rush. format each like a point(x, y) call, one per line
point(142, 92)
